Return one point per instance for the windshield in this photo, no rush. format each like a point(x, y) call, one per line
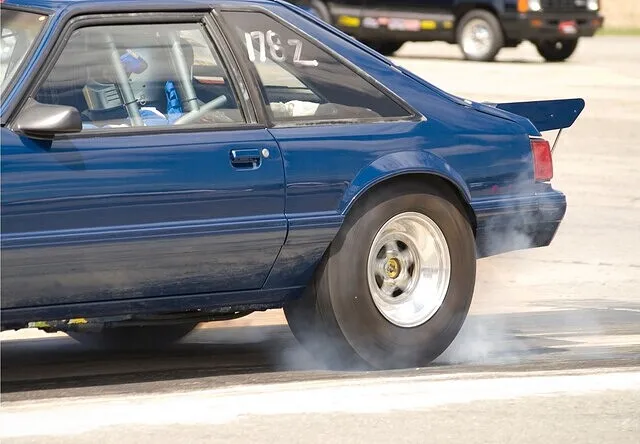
point(19, 30)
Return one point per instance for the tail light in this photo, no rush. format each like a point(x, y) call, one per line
point(542, 160)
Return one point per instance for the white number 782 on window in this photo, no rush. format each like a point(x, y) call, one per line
point(277, 52)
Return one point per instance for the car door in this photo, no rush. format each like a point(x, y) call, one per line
point(143, 202)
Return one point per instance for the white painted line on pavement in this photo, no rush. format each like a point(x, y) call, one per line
point(597, 341)
point(73, 416)
point(633, 310)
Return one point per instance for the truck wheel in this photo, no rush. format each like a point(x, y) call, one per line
point(479, 35)
point(385, 47)
point(138, 337)
point(320, 9)
point(558, 50)
point(395, 286)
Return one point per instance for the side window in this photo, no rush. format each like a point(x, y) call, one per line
point(143, 75)
point(301, 81)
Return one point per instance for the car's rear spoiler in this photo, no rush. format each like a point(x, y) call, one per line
point(546, 115)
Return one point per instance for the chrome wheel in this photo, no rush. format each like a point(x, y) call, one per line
point(477, 38)
point(409, 269)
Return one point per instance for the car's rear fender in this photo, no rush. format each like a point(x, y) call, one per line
point(404, 164)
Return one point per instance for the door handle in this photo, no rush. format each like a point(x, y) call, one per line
point(246, 159)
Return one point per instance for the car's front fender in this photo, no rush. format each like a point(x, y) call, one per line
point(401, 163)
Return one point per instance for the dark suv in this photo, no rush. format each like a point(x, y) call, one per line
point(480, 27)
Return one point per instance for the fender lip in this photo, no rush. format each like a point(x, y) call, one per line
point(546, 115)
point(397, 164)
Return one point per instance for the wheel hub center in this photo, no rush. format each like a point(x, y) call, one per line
point(393, 268)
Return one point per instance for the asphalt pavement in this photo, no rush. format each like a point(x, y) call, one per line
point(550, 351)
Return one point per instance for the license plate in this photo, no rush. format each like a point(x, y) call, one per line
point(568, 27)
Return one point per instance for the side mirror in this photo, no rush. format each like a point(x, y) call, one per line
point(42, 121)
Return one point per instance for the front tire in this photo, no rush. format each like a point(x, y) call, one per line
point(557, 50)
point(373, 304)
point(135, 337)
point(479, 35)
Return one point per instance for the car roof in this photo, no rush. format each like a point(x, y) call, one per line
point(58, 5)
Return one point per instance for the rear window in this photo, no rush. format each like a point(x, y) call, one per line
point(302, 82)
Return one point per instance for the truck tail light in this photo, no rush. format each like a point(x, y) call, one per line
point(542, 160)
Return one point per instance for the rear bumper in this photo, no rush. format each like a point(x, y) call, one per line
point(518, 223)
point(547, 26)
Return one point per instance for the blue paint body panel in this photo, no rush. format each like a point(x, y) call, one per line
point(146, 223)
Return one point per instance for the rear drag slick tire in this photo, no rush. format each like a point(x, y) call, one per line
point(395, 286)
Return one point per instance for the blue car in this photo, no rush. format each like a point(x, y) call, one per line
point(169, 163)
